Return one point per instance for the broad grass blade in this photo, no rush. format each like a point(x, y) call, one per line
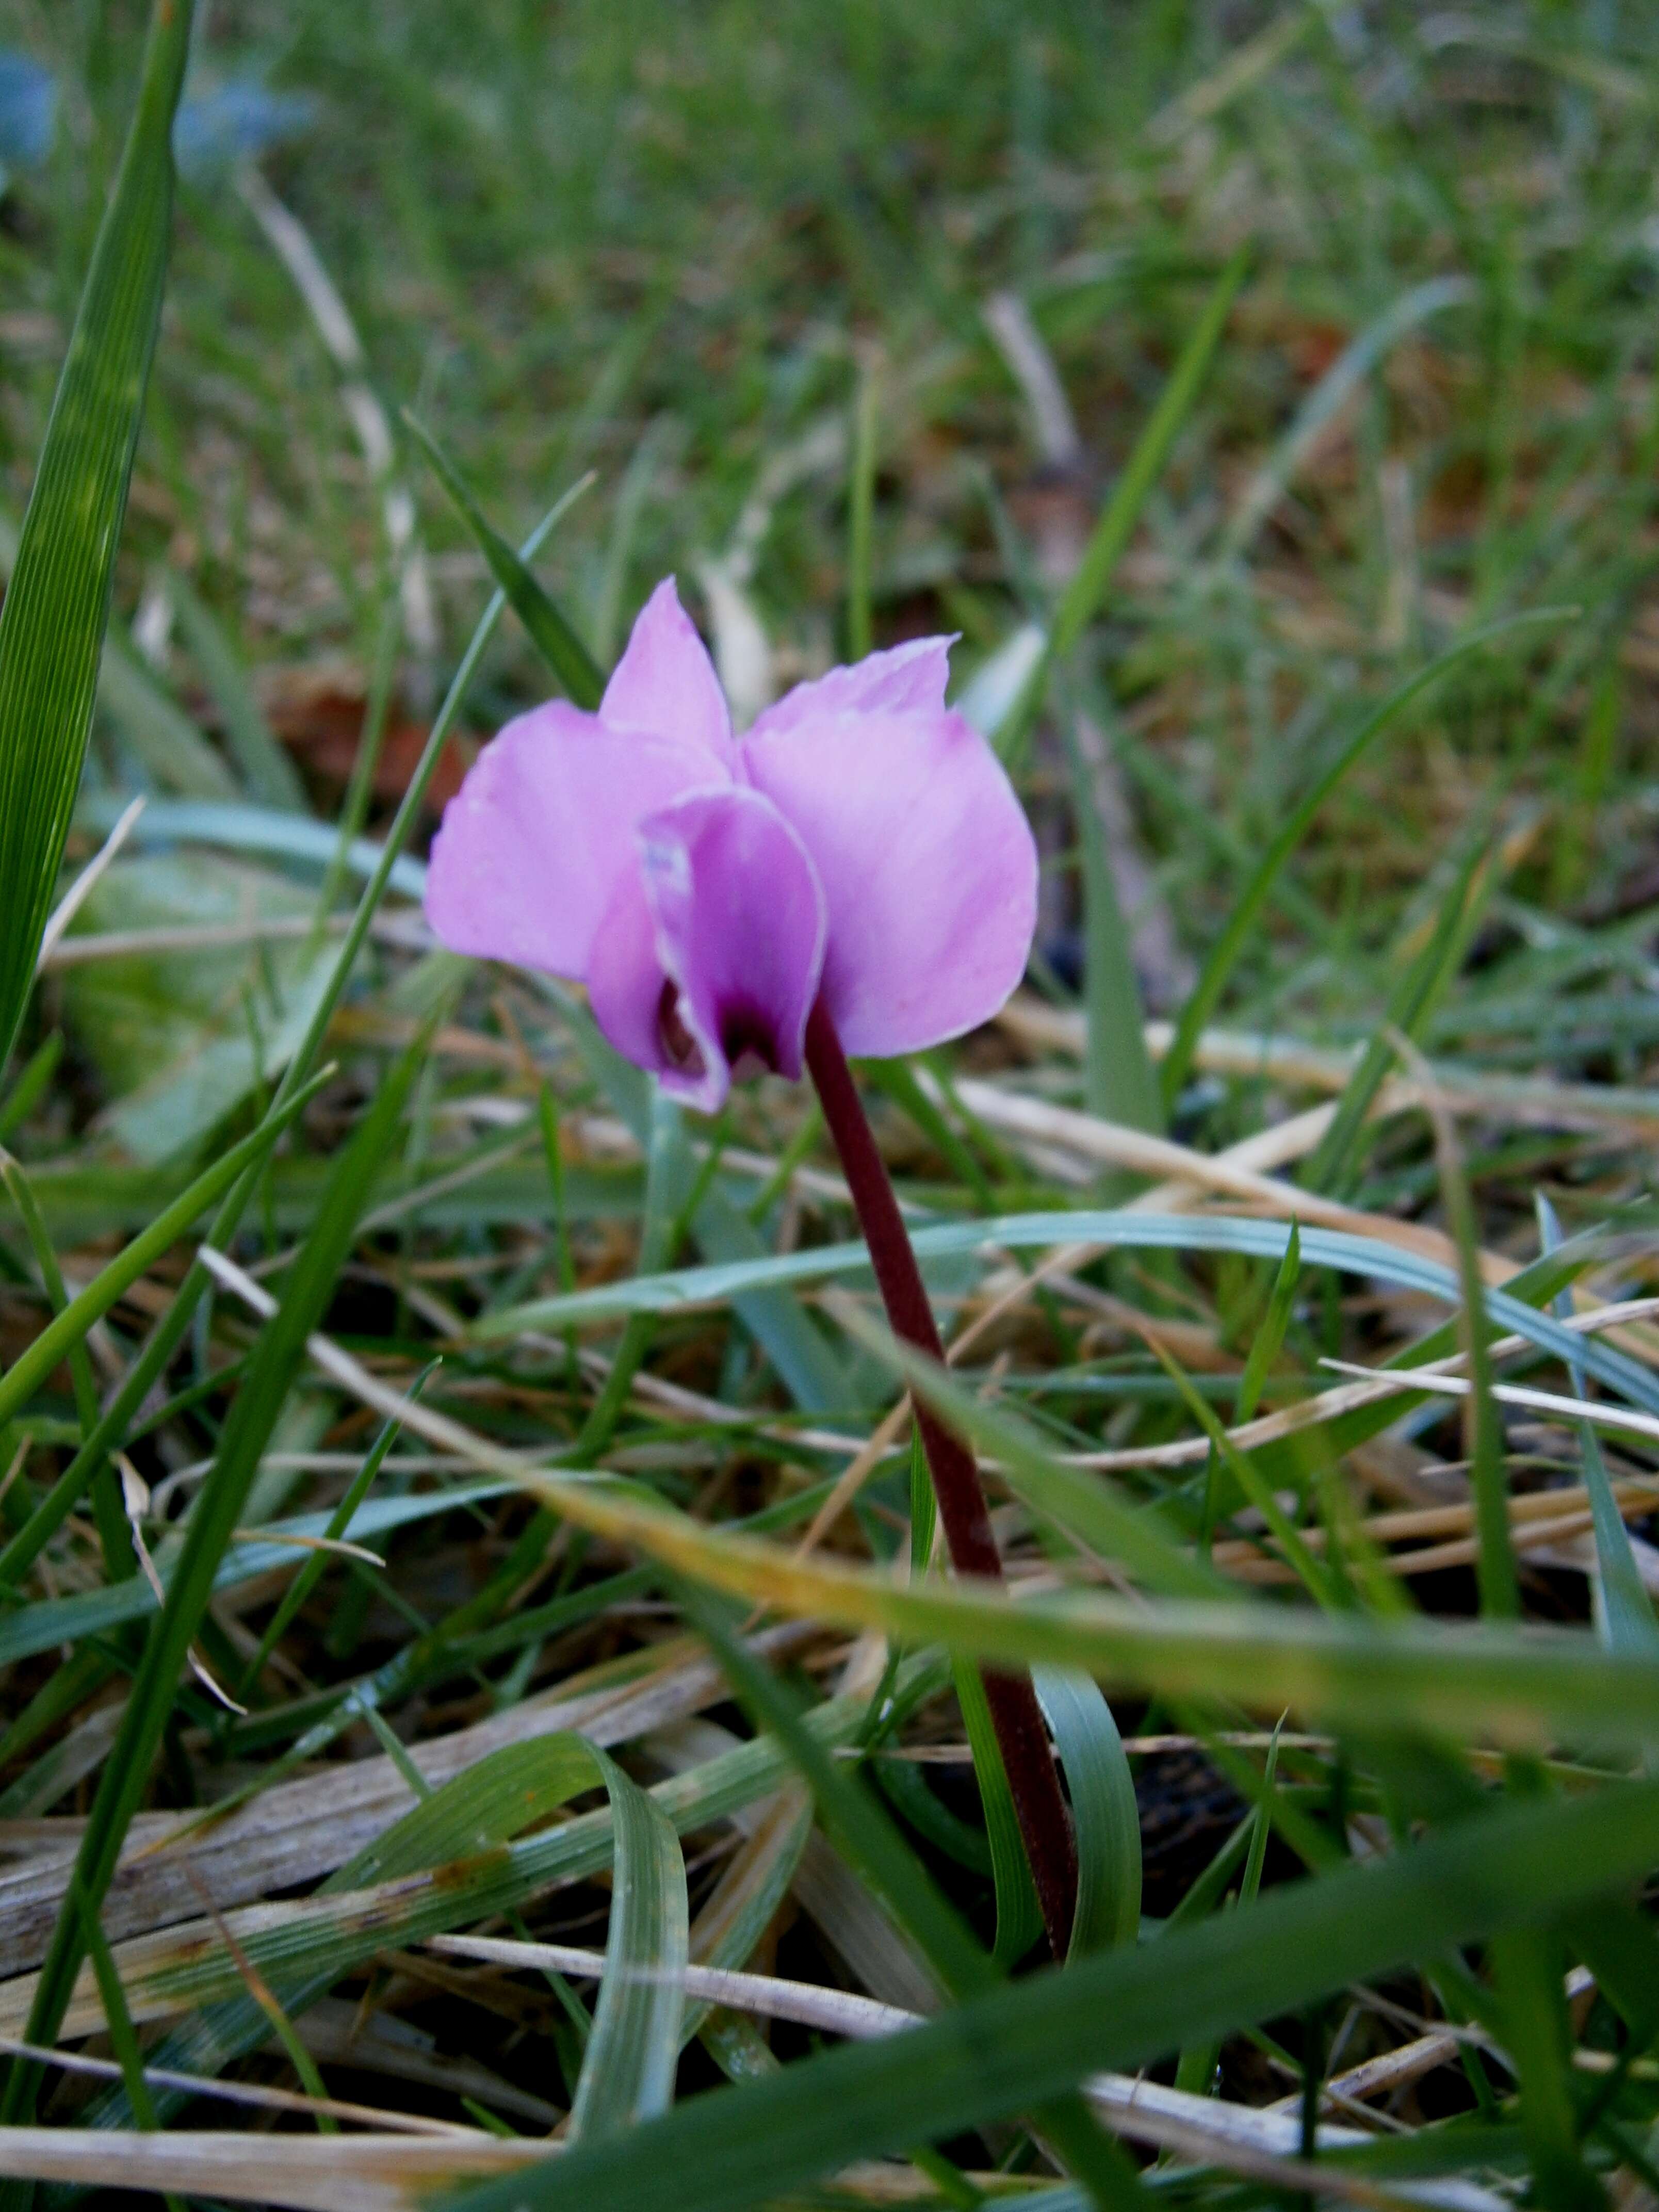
point(627, 2074)
point(1104, 1813)
point(1521, 1687)
point(51, 625)
point(1321, 1248)
point(1012, 2048)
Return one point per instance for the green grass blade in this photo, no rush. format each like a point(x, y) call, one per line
point(1496, 1573)
point(30, 1368)
point(1268, 1341)
point(668, 1161)
point(1624, 1615)
point(33, 1081)
point(1081, 597)
point(1019, 1917)
point(1076, 1500)
point(898, 1080)
point(1013, 2047)
point(155, 729)
point(1324, 1247)
point(1119, 1083)
point(810, 1372)
point(218, 1509)
point(555, 639)
point(1104, 1814)
point(849, 1810)
point(470, 1816)
point(1314, 1576)
point(269, 775)
point(356, 1915)
point(114, 1536)
point(339, 1525)
point(1224, 957)
point(1522, 1686)
point(1527, 1966)
point(627, 2074)
point(1410, 1007)
point(1196, 2069)
point(57, 604)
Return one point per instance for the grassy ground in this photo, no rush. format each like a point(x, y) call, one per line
point(1386, 973)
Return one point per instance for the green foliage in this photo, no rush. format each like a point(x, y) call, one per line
point(56, 604)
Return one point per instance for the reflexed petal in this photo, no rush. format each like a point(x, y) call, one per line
point(710, 953)
point(665, 682)
point(534, 841)
point(927, 864)
point(908, 679)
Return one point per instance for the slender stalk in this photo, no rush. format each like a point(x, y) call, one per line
point(1015, 1716)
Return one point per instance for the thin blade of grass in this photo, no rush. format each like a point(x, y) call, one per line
point(270, 775)
point(1313, 1573)
point(1411, 1007)
point(1118, 1081)
point(69, 1327)
point(550, 632)
point(1268, 1341)
point(1624, 1615)
point(1496, 1573)
point(1519, 1687)
point(1081, 597)
point(114, 1536)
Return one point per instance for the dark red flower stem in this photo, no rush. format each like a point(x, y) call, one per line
point(1015, 1715)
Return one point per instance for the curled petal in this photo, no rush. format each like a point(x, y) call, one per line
point(709, 955)
point(927, 864)
point(665, 682)
point(533, 842)
point(908, 679)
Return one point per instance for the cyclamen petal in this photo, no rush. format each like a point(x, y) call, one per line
point(906, 679)
point(928, 866)
point(860, 841)
point(711, 954)
point(532, 845)
point(665, 682)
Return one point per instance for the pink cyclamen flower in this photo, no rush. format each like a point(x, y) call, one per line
point(860, 840)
